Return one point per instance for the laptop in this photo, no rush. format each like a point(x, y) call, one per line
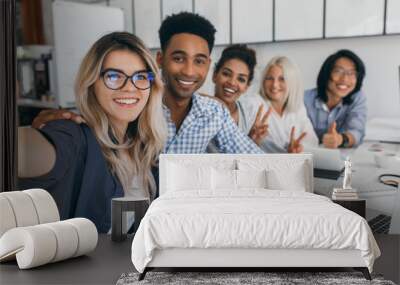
point(328, 163)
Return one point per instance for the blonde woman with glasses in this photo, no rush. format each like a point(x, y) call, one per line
point(281, 95)
point(119, 94)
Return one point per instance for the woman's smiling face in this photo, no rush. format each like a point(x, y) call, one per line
point(124, 105)
point(231, 80)
point(275, 87)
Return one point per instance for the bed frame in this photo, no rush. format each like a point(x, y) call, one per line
point(241, 259)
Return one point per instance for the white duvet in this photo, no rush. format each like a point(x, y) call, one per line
point(253, 218)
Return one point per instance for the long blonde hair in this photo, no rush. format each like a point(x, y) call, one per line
point(291, 73)
point(145, 137)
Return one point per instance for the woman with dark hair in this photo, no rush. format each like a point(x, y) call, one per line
point(233, 74)
point(337, 107)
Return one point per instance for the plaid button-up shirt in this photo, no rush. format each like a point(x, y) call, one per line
point(207, 119)
point(349, 117)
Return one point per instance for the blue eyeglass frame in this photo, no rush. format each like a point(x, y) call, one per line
point(150, 74)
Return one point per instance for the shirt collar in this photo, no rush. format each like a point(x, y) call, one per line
point(167, 112)
point(197, 108)
point(319, 104)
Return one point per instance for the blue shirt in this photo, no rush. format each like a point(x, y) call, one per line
point(80, 182)
point(349, 117)
point(207, 120)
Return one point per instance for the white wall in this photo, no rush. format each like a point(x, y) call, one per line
point(381, 55)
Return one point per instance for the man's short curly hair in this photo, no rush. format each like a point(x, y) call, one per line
point(186, 22)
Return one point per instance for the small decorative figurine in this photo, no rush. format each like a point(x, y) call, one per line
point(347, 174)
point(346, 192)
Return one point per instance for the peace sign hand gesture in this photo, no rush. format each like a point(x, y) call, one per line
point(259, 130)
point(295, 145)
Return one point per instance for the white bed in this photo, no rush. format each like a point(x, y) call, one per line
point(220, 210)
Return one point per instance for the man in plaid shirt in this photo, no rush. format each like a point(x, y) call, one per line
point(194, 120)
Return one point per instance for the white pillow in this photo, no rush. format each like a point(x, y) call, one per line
point(182, 177)
point(251, 179)
point(224, 179)
point(293, 180)
point(282, 174)
point(228, 179)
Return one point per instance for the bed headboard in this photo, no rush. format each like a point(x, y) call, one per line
point(281, 164)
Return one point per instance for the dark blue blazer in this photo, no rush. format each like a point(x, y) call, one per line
point(80, 181)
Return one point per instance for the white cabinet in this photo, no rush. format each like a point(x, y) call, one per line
point(252, 21)
point(217, 12)
point(257, 21)
point(300, 19)
point(147, 21)
point(393, 16)
point(170, 7)
point(347, 18)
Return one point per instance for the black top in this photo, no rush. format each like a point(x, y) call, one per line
point(80, 182)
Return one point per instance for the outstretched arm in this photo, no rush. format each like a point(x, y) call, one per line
point(36, 155)
point(53, 147)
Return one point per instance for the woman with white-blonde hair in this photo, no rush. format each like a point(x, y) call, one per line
point(281, 90)
point(119, 95)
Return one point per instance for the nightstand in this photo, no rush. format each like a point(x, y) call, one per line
point(119, 207)
point(357, 206)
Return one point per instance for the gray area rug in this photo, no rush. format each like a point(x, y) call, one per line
point(228, 278)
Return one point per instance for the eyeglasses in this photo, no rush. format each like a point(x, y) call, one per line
point(338, 72)
point(116, 79)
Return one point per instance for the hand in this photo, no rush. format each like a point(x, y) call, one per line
point(332, 139)
point(295, 145)
point(259, 130)
point(46, 116)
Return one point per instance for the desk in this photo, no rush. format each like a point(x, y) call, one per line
point(102, 266)
point(381, 199)
point(110, 259)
